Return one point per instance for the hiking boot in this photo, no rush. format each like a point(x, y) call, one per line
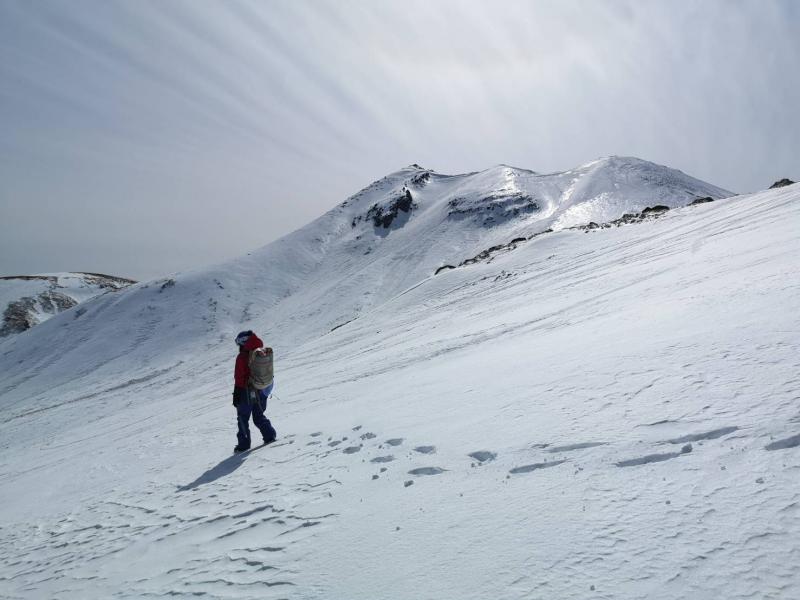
point(239, 449)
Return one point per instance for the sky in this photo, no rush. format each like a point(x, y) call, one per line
point(143, 137)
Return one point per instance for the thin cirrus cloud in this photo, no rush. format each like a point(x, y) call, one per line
point(143, 137)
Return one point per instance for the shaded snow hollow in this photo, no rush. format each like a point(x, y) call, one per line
point(610, 414)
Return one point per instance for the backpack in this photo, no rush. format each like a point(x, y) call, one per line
point(261, 370)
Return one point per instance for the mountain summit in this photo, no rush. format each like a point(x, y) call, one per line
point(523, 200)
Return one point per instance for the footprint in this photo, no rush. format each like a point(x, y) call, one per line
point(536, 467)
point(368, 436)
point(652, 458)
point(383, 459)
point(395, 441)
point(426, 471)
point(316, 434)
point(483, 456)
point(790, 442)
point(579, 446)
point(425, 449)
point(352, 449)
point(357, 427)
point(334, 443)
point(708, 435)
point(661, 422)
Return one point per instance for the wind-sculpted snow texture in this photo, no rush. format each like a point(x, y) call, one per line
point(612, 415)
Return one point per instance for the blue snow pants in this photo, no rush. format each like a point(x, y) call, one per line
point(256, 405)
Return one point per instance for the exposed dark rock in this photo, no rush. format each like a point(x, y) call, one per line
point(702, 200)
point(654, 210)
point(444, 268)
point(503, 275)
point(26, 312)
point(385, 184)
point(384, 217)
point(781, 183)
point(51, 278)
point(489, 253)
point(18, 317)
point(107, 282)
point(99, 279)
point(651, 212)
point(495, 208)
point(54, 302)
point(421, 179)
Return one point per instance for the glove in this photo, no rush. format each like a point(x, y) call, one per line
point(239, 395)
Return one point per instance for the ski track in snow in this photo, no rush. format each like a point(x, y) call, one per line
point(619, 421)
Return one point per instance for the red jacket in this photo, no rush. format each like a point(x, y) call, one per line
point(242, 371)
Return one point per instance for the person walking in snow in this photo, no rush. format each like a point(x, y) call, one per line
point(249, 397)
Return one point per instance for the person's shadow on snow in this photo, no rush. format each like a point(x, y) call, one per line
point(226, 467)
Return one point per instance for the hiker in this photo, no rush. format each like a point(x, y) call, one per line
point(249, 397)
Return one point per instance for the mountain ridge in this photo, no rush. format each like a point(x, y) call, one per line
point(28, 300)
point(346, 262)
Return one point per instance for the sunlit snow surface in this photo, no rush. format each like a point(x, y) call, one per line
point(613, 414)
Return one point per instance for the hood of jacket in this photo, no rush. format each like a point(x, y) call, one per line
point(252, 343)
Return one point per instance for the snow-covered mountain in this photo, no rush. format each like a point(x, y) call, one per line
point(27, 300)
point(578, 413)
point(388, 237)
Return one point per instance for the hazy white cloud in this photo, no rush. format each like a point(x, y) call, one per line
point(141, 136)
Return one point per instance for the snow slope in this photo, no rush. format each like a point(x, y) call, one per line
point(603, 414)
point(333, 270)
point(27, 300)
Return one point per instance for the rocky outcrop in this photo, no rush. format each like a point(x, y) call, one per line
point(21, 314)
point(651, 212)
point(40, 297)
point(781, 183)
point(488, 254)
point(384, 215)
point(493, 209)
point(421, 179)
